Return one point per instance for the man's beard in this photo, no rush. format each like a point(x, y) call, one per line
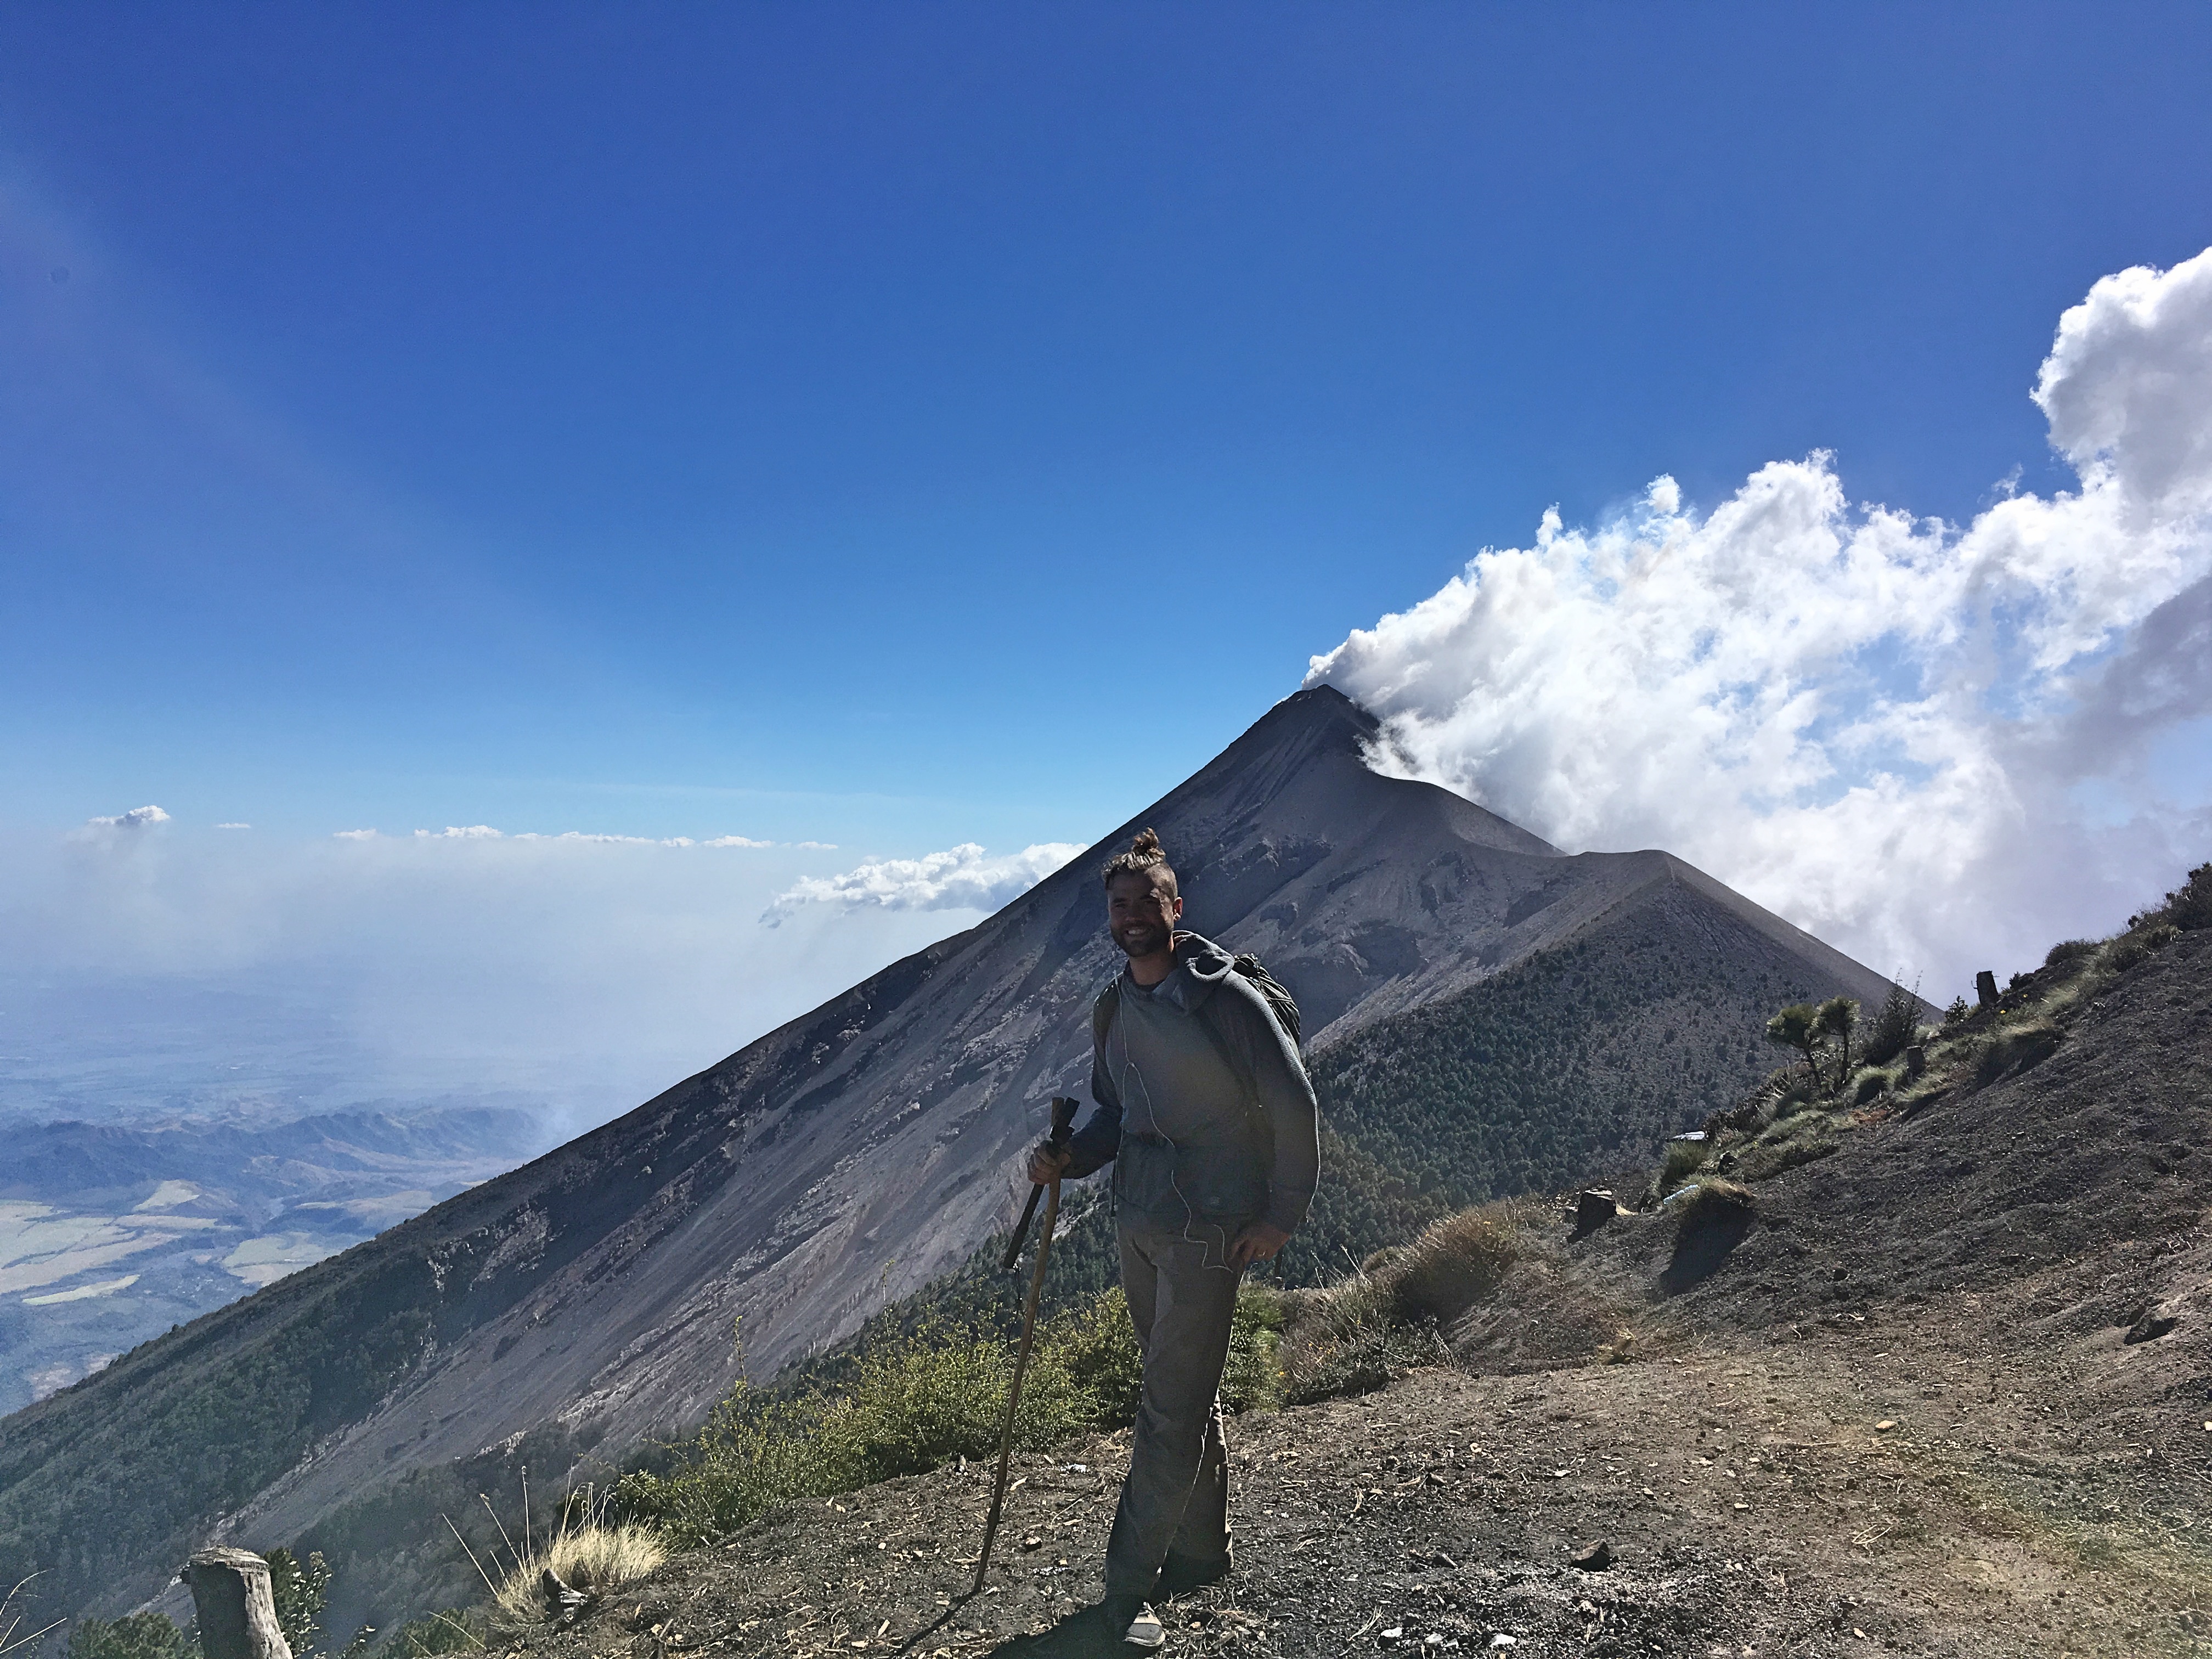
point(1142, 940)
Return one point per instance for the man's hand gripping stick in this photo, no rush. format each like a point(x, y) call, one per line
point(1063, 1124)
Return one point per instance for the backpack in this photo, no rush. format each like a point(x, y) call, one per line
point(1280, 1003)
point(1272, 992)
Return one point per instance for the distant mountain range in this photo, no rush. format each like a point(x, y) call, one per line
point(110, 1234)
point(1484, 1012)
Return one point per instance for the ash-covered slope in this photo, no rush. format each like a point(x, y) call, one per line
point(843, 1160)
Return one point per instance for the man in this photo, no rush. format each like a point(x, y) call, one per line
point(1205, 1111)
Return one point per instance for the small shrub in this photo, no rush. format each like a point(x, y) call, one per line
point(590, 1559)
point(919, 1401)
point(2069, 949)
point(1833, 1021)
point(2189, 905)
point(1871, 1082)
point(1252, 1380)
point(1895, 1023)
point(301, 1594)
point(926, 1402)
point(1373, 1328)
point(1098, 1346)
point(2126, 951)
point(1798, 1026)
point(2014, 1048)
point(1451, 1265)
point(1683, 1159)
point(1793, 1105)
point(1790, 1087)
point(1343, 1341)
point(1785, 1148)
point(1957, 1013)
point(1709, 1196)
point(134, 1636)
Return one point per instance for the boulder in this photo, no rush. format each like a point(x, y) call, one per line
point(1594, 1207)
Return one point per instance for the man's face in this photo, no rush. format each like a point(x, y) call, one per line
point(1142, 913)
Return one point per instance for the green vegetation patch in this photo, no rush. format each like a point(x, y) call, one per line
point(914, 1400)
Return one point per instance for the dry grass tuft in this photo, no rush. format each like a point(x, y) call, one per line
point(2013, 1048)
point(1399, 1309)
point(591, 1559)
point(1710, 1195)
point(1453, 1264)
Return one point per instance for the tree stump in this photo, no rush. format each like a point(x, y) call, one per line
point(1985, 988)
point(238, 1615)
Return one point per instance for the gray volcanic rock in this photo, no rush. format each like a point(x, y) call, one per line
point(840, 1162)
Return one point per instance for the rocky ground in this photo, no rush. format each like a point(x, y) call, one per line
point(1948, 1393)
point(1844, 1490)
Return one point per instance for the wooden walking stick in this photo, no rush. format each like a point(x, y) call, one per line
point(1063, 1120)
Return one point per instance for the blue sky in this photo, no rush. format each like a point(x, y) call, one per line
point(850, 424)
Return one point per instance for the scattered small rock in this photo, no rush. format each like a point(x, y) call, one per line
point(1502, 1640)
point(1596, 1558)
point(1032, 1542)
point(2152, 1325)
point(1884, 1425)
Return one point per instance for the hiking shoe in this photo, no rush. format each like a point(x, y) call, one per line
point(1184, 1573)
point(1130, 1621)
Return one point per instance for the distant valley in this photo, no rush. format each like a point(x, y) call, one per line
point(110, 1234)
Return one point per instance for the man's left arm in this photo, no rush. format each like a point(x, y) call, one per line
point(1286, 1099)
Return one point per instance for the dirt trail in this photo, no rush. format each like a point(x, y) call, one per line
point(1951, 1394)
point(1750, 1500)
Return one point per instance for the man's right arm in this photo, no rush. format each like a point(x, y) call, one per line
point(1092, 1147)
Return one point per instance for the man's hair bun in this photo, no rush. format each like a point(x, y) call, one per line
point(1144, 854)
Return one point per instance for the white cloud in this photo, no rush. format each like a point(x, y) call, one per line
point(453, 832)
point(588, 973)
point(136, 818)
point(1938, 747)
point(233, 826)
point(963, 877)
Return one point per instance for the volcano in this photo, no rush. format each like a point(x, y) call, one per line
point(578, 1308)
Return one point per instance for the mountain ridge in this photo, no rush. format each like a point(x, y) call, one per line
point(842, 1160)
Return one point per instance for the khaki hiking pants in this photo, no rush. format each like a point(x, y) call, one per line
point(1182, 1298)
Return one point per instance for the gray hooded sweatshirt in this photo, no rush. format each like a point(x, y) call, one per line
point(1204, 1107)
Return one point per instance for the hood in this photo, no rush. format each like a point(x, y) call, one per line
point(1200, 964)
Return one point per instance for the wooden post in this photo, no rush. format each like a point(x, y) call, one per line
point(1985, 988)
point(238, 1615)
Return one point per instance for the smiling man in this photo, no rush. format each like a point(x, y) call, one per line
point(1206, 1112)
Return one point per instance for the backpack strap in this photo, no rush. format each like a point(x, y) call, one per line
point(1102, 1011)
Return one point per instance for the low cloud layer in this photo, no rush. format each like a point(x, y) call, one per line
point(963, 877)
point(587, 971)
point(485, 832)
point(1938, 747)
